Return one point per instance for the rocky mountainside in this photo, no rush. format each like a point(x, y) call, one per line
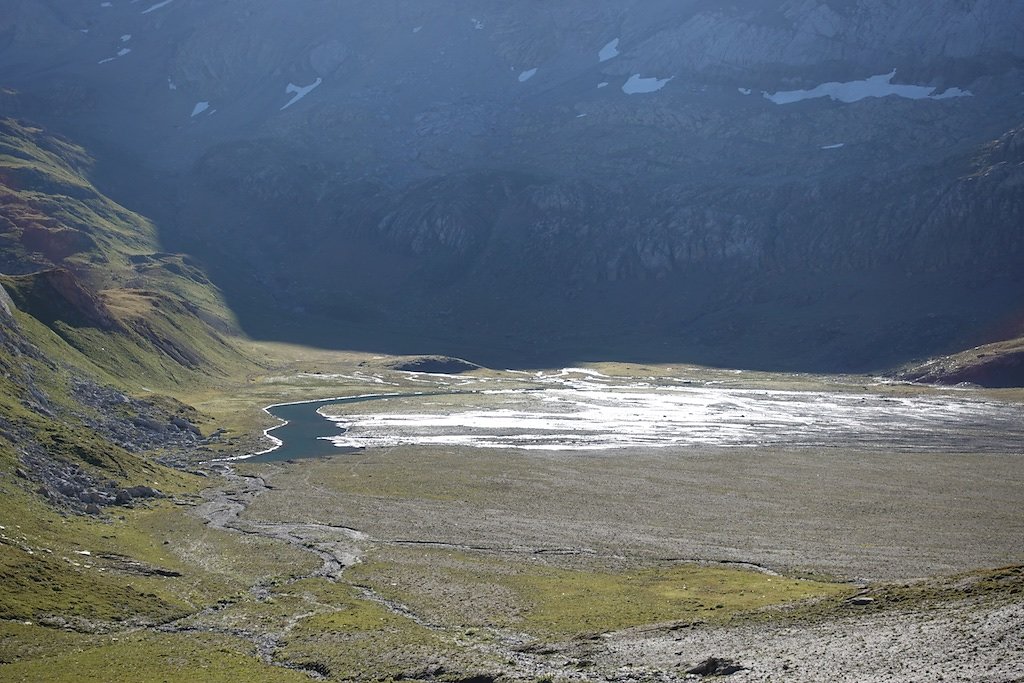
point(91, 271)
point(90, 313)
point(791, 183)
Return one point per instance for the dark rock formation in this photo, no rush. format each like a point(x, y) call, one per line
point(715, 666)
point(392, 177)
point(58, 296)
point(73, 487)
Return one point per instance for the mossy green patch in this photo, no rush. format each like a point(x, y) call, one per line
point(561, 602)
point(139, 656)
point(20, 641)
point(567, 602)
point(37, 586)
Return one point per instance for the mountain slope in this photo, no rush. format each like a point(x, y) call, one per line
point(92, 271)
point(789, 184)
point(89, 512)
point(88, 310)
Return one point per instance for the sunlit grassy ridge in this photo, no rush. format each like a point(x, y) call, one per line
point(94, 273)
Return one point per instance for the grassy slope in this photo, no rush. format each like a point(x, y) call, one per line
point(130, 317)
point(999, 364)
point(68, 578)
point(167, 326)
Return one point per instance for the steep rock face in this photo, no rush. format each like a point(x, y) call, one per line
point(979, 218)
point(866, 33)
point(57, 296)
point(394, 161)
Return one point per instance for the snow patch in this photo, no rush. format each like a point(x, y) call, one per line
point(477, 24)
point(609, 51)
point(527, 75)
point(171, 85)
point(108, 59)
point(745, 91)
point(123, 51)
point(126, 37)
point(638, 84)
point(952, 92)
point(835, 146)
point(875, 86)
point(300, 91)
point(157, 6)
point(417, 29)
point(602, 84)
point(581, 371)
point(200, 108)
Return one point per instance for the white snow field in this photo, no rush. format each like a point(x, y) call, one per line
point(854, 91)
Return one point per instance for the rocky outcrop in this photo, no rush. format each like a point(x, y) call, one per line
point(6, 304)
point(58, 296)
point(134, 424)
point(69, 486)
point(715, 666)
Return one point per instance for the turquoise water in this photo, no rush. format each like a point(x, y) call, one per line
point(306, 434)
point(303, 435)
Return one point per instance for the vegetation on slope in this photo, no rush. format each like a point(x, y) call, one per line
point(997, 365)
point(93, 273)
point(94, 319)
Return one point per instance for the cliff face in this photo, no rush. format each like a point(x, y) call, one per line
point(847, 171)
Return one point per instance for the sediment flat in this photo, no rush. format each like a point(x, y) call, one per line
point(862, 515)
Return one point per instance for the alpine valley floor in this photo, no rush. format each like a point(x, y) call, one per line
point(891, 558)
point(866, 557)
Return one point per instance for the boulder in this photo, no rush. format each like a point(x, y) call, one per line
point(716, 666)
point(143, 492)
